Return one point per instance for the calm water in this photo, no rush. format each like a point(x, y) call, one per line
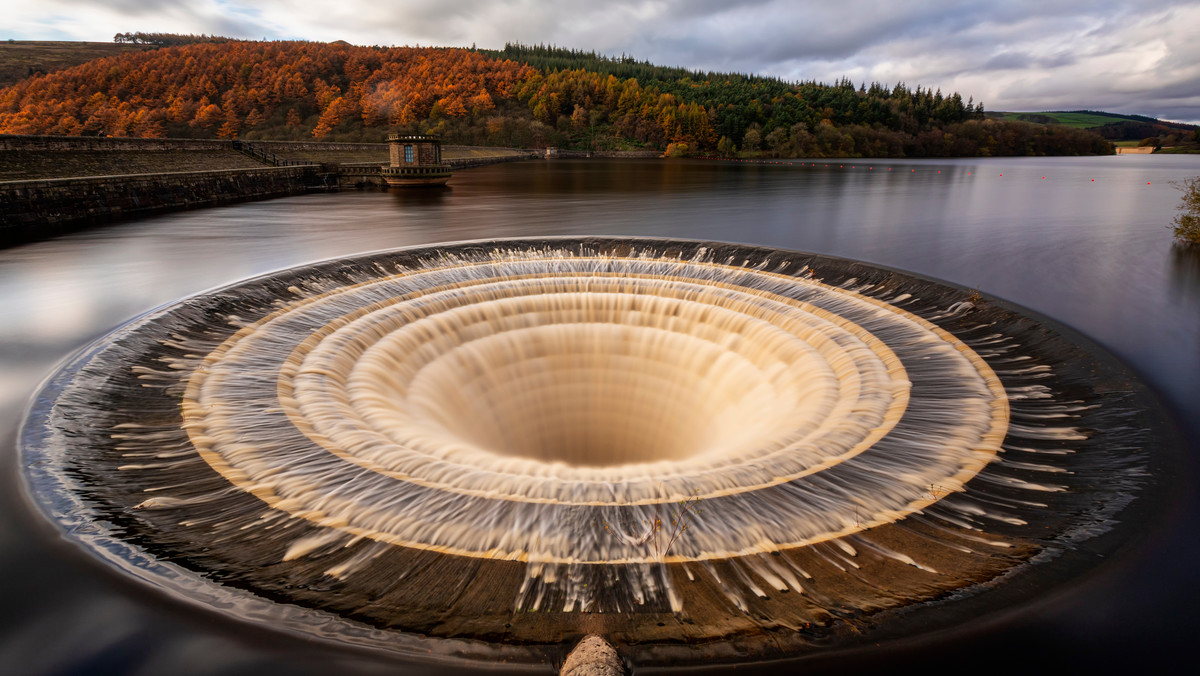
point(1087, 245)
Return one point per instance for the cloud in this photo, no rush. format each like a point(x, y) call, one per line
point(1025, 61)
point(1118, 55)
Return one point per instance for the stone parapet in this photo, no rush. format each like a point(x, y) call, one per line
point(24, 142)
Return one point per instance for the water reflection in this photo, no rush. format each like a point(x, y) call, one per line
point(1185, 271)
point(421, 197)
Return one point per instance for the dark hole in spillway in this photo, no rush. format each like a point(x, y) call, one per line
point(490, 449)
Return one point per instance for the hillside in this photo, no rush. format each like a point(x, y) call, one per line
point(517, 97)
point(22, 59)
point(1113, 126)
point(1080, 119)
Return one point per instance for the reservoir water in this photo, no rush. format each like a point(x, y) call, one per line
point(1084, 241)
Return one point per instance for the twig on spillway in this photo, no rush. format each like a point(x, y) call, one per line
point(657, 535)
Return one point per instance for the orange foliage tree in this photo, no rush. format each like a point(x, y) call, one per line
point(212, 88)
point(235, 87)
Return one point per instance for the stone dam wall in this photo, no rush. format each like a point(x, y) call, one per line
point(41, 208)
point(52, 184)
point(23, 142)
point(560, 154)
point(1143, 150)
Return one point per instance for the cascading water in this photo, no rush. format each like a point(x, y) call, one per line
point(473, 441)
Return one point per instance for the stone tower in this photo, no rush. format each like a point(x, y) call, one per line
point(416, 160)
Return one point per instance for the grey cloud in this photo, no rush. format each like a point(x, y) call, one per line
point(1008, 61)
point(1022, 61)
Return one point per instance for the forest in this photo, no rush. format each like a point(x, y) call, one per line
point(520, 96)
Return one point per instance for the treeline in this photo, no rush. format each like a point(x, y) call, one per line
point(1134, 130)
point(972, 138)
point(741, 102)
point(167, 39)
point(520, 96)
point(612, 100)
point(550, 58)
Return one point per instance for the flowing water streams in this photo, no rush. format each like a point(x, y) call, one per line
point(703, 342)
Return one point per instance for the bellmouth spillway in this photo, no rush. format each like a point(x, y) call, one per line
point(487, 443)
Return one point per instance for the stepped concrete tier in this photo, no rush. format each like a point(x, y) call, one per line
point(488, 450)
point(416, 161)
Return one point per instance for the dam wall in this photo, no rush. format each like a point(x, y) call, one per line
point(450, 152)
point(563, 154)
point(52, 184)
point(40, 142)
point(35, 209)
point(29, 142)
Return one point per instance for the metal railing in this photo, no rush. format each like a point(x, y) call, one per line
point(266, 156)
point(427, 169)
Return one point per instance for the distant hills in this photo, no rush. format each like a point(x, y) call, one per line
point(521, 96)
point(1112, 126)
point(1082, 119)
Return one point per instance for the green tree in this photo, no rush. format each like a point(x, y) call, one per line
point(752, 140)
point(1187, 223)
point(725, 147)
point(776, 140)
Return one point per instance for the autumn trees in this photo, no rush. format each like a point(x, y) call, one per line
point(235, 87)
point(521, 96)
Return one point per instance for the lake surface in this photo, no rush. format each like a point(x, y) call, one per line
point(1084, 241)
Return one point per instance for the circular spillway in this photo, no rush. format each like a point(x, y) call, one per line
point(502, 446)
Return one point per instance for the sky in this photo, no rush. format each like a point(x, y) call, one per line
point(1123, 56)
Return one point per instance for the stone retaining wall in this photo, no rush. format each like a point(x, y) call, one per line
point(19, 142)
point(37, 209)
point(628, 154)
point(559, 153)
point(31, 142)
point(468, 162)
point(32, 165)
